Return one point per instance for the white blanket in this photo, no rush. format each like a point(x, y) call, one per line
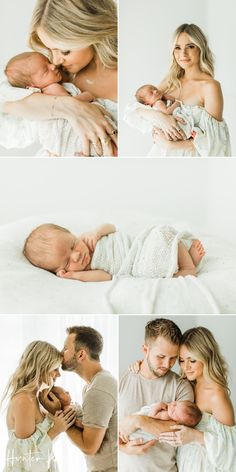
point(55, 136)
point(27, 289)
point(153, 253)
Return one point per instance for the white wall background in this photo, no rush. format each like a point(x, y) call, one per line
point(14, 26)
point(16, 332)
point(201, 195)
point(146, 30)
point(131, 337)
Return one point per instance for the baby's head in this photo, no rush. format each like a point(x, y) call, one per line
point(148, 95)
point(184, 412)
point(55, 248)
point(31, 69)
point(62, 395)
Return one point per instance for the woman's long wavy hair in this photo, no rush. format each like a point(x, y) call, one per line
point(36, 362)
point(206, 60)
point(76, 24)
point(203, 346)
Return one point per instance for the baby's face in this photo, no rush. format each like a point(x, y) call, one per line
point(64, 398)
point(177, 410)
point(151, 94)
point(69, 253)
point(42, 72)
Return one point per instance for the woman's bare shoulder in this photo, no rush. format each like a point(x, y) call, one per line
point(222, 408)
point(23, 399)
point(211, 85)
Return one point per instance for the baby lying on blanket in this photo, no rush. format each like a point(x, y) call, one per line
point(98, 255)
point(33, 70)
point(182, 412)
point(65, 400)
point(152, 96)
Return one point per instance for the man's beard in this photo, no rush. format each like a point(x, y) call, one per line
point(153, 370)
point(70, 365)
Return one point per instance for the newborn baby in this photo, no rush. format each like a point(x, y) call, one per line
point(104, 252)
point(33, 70)
point(152, 96)
point(182, 412)
point(65, 400)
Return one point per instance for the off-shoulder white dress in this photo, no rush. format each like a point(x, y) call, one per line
point(211, 136)
point(33, 454)
point(218, 454)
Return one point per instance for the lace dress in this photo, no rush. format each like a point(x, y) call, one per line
point(218, 454)
point(33, 454)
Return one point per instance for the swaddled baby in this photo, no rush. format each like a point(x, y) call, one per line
point(104, 252)
point(182, 412)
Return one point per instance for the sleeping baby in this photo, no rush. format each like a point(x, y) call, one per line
point(96, 256)
point(65, 400)
point(182, 412)
point(153, 97)
point(33, 70)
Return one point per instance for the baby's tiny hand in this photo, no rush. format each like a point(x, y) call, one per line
point(91, 239)
point(68, 275)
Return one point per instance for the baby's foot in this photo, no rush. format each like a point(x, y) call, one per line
point(197, 252)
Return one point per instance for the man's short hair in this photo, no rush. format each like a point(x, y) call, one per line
point(162, 327)
point(89, 339)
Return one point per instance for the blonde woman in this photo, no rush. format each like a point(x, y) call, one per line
point(81, 38)
point(191, 81)
point(31, 431)
point(211, 446)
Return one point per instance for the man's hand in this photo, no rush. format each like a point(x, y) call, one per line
point(49, 401)
point(136, 446)
point(127, 426)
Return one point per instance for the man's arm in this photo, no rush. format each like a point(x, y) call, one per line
point(88, 440)
point(151, 425)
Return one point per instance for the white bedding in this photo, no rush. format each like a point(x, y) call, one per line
point(27, 289)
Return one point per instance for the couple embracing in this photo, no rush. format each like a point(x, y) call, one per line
point(38, 412)
point(177, 423)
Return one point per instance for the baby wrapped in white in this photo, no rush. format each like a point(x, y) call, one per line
point(152, 253)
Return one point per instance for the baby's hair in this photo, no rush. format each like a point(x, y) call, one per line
point(139, 93)
point(193, 414)
point(17, 70)
point(39, 243)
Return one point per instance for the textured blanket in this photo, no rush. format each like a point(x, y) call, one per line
point(152, 253)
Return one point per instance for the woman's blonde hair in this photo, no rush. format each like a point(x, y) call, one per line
point(75, 24)
point(36, 362)
point(206, 59)
point(202, 344)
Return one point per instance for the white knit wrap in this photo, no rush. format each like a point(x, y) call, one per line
point(152, 253)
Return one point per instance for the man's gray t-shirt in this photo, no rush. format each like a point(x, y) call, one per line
point(100, 411)
point(137, 391)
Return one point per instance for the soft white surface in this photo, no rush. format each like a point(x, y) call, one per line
point(27, 289)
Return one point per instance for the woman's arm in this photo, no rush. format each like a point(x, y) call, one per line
point(187, 144)
point(167, 123)
point(213, 99)
point(23, 409)
point(87, 120)
point(62, 421)
point(222, 408)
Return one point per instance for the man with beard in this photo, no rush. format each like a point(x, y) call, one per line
point(98, 438)
point(155, 382)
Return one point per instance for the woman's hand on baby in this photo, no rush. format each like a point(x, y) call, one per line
point(168, 125)
point(180, 436)
point(135, 367)
point(64, 420)
point(91, 123)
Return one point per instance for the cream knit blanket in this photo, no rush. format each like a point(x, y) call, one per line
point(152, 253)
